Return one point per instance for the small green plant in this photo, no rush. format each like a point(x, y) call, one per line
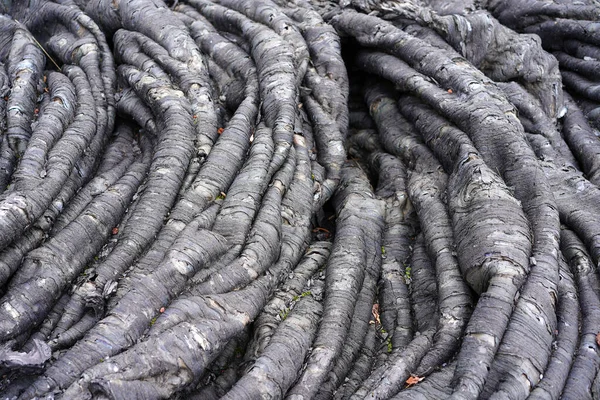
point(284, 313)
point(303, 294)
point(407, 273)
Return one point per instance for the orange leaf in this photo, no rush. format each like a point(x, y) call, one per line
point(220, 130)
point(115, 231)
point(598, 339)
point(413, 380)
point(450, 91)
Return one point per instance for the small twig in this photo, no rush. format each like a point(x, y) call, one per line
point(43, 49)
